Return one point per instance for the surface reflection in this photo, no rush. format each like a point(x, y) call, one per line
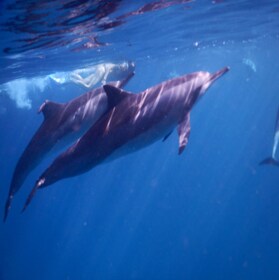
point(48, 24)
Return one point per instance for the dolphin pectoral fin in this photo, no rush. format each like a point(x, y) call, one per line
point(167, 136)
point(38, 185)
point(184, 129)
point(115, 95)
point(49, 108)
point(269, 160)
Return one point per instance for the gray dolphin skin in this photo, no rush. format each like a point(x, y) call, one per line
point(63, 124)
point(133, 122)
point(272, 160)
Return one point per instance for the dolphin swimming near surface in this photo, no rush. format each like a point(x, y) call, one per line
point(272, 160)
point(63, 123)
point(133, 122)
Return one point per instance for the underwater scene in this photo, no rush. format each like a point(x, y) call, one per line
point(139, 139)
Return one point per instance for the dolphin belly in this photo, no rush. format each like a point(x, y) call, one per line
point(142, 141)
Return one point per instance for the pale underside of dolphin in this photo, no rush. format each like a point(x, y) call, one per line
point(272, 159)
point(133, 122)
point(63, 124)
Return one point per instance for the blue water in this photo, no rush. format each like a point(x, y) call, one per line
point(210, 213)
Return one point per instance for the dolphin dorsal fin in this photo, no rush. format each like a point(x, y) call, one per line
point(49, 108)
point(115, 95)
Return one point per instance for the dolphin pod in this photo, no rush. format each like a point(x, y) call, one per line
point(63, 124)
point(132, 122)
point(272, 160)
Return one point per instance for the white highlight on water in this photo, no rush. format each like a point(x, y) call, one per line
point(250, 64)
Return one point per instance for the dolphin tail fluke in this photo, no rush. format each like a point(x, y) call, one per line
point(38, 184)
point(269, 160)
point(7, 207)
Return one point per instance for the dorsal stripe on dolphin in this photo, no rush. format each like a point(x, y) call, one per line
point(134, 121)
point(63, 124)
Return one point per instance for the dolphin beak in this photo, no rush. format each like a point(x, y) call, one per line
point(212, 78)
point(218, 74)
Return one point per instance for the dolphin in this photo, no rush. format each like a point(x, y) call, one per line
point(272, 160)
point(133, 122)
point(63, 123)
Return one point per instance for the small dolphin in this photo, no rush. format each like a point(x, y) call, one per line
point(272, 160)
point(63, 124)
point(133, 122)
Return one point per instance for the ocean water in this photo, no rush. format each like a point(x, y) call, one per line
point(210, 213)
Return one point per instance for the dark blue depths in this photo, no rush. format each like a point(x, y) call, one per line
point(211, 213)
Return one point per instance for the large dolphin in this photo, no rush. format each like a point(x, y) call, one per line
point(272, 160)
point(63, 124)
point(133, 122)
